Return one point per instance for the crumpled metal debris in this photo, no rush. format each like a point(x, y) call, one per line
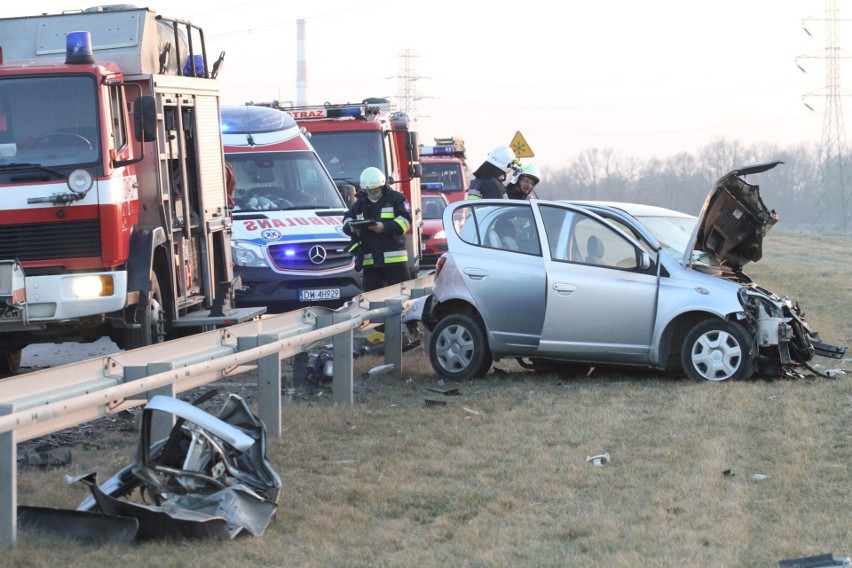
point(209, 479)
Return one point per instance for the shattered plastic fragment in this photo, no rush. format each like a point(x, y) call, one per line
point(599, 459)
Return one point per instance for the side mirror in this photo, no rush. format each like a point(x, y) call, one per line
point(145, 119)
point(415, 170)
point(347, 192)
point(412, 148)
point(644, 260)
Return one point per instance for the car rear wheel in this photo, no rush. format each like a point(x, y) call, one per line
point(458, 347)
point(717, 350)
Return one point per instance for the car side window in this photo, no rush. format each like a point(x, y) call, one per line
point(577, 238)
point(503, 227)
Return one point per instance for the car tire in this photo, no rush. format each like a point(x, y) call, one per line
point(717, 350)
point(458, 348)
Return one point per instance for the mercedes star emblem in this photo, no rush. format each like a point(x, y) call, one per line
point(317, 254)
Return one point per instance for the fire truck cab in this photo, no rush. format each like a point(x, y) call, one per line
point(445, 168)
point(113, 208)
point(352, 137)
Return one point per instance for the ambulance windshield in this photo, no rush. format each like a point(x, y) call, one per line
point(275, 181)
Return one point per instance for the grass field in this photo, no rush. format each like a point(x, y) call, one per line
point(498, 475)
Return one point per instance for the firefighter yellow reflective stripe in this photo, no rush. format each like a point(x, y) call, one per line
point(353, 246)
point(471, 196)
point(403, 222)
point(390, 257)
point(387, 213)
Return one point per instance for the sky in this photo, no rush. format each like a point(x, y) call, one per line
point(647, 79)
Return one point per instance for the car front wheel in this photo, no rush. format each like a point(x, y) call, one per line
point(717, 350)
point(458, 348)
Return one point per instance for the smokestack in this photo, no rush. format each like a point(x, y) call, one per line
point(301, 65)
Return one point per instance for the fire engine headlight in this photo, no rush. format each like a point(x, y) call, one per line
point(246, 254)
point(441, 235)
point(84, 287)
point(80, 181)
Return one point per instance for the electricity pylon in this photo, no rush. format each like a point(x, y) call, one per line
point(408, 78)
point(834, 206)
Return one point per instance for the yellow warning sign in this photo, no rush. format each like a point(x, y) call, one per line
point(520, 146)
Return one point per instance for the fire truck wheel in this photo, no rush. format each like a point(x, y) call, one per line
point(10, 359)
point(151, 321)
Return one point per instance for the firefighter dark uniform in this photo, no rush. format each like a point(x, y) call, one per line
point(382, 255)
point(489, 177)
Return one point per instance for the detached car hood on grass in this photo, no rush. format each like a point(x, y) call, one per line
point(733, 221)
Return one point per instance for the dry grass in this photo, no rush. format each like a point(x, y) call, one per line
point(498, 477)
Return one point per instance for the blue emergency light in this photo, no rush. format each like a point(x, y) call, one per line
point(253, 119)
point(441, 150)
point(345, 112)
point(433, 185)
point(78, 48)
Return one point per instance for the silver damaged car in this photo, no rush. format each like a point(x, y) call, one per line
point(596, 283)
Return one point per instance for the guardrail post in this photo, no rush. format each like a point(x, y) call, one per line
point(269, 388)
point(342, 367)
point(161, 422)
point(8, 483)
point(393, 336)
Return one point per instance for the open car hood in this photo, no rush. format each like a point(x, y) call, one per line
point(733, 221)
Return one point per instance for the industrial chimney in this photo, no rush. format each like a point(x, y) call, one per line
point(301, 65)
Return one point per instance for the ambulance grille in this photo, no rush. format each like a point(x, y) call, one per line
point(297, 256)
point(47, 241)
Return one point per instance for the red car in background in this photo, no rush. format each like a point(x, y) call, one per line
point(434, 239)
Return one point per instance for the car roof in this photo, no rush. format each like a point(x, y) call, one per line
point(635, 209)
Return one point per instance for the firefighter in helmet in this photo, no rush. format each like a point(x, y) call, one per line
point(522, 185)
point(489, 177)
point(377, 223)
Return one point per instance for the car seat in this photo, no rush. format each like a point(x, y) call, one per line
point(594, 250)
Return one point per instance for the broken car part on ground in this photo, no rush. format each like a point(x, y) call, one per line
point(209, 478)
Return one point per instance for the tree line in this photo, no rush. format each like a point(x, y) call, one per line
point(810, 193)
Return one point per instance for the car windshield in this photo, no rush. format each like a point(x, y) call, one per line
point(433, 207)
point(448, 174)
point(282, 180)
point(49, 121)
point(673, 233)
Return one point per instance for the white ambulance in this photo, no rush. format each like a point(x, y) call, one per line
point(288, 244)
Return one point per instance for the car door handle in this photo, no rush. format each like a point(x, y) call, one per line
point(476, 273)
point(564, 289)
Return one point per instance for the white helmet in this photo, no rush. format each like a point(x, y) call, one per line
point(503, 157)
point(531, 171)
point(371, 178)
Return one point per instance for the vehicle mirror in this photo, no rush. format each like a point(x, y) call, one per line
point(644, 260)
point(145, 119)
point(412, 148)
point(415, 170)
point(347, 192)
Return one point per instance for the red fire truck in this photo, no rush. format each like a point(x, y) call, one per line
point(352, 137)
point(114, 217)
point(445, 168)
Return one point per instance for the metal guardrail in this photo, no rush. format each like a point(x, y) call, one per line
point(50, 400)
